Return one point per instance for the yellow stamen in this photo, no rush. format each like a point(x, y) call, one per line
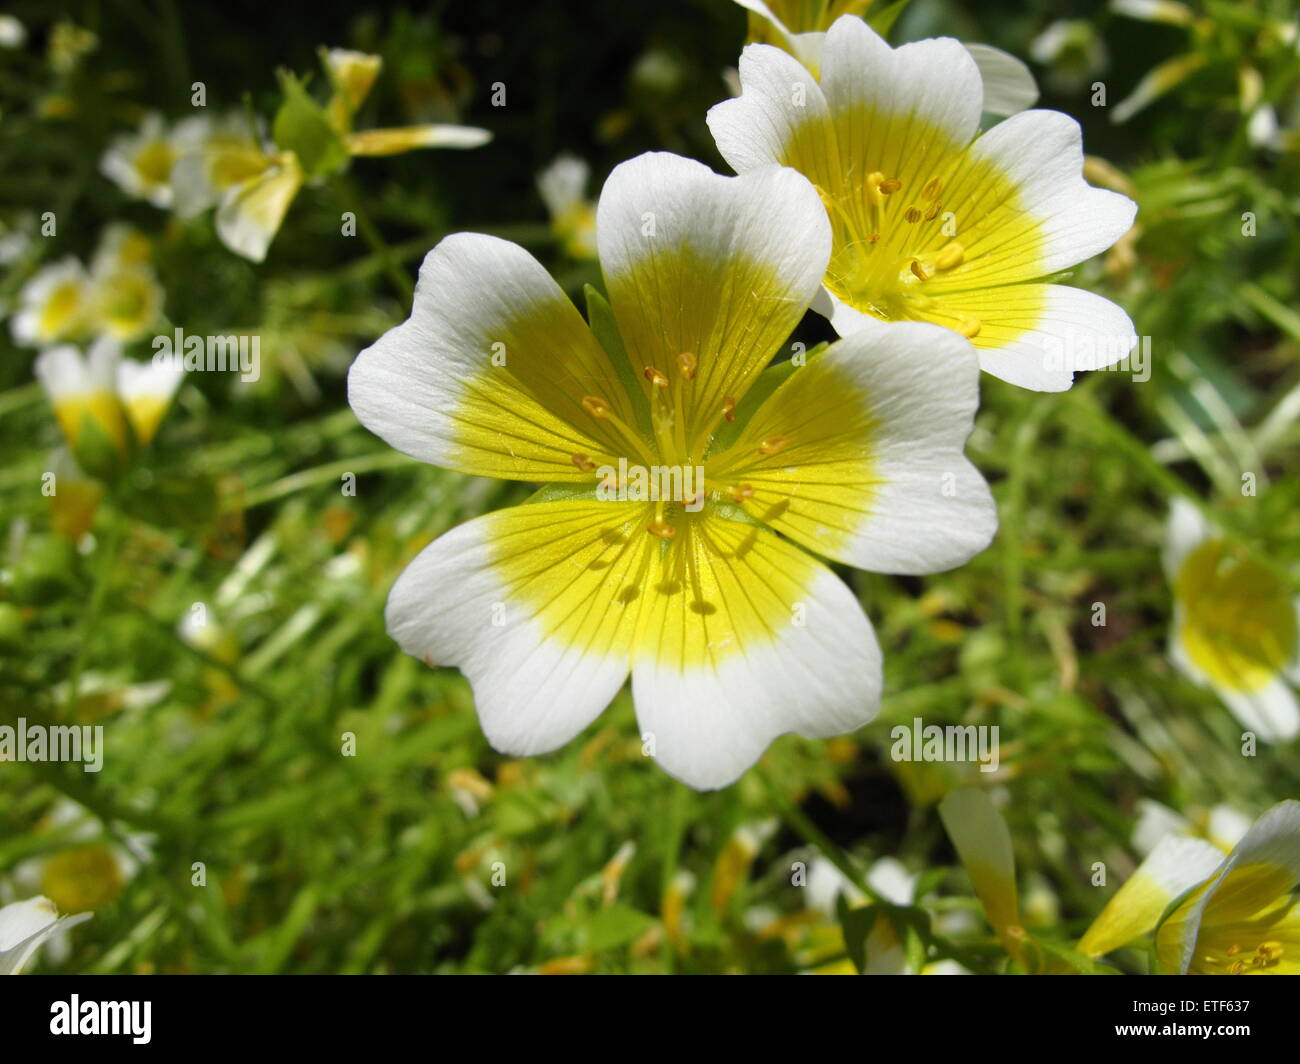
point(934, 210)
point(729, 407)
point(912, 215)
point(968, 326)
point(583, 462)
point(741, 492)
point(772, 445)
point(891, 186)
point(919, 272)
point(662, 529)
point(686, 365)
point(932, 188)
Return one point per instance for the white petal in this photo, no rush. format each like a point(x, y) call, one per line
point(933, 510)
point(934, 80)
point(1041, 152)
point(1271, 712)
point(722, 267)
point(1008, 85)
point(533, 691)
point(711, 722)
point(563, 183)
point(1185, 530)
point(434, 387)
point(756, 128)
point(1073, 330)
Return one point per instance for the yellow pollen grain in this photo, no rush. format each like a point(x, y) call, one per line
point(595, 406)
point(772, 445)
point(686, 365)
point(950, 256)
point(729, 407)
point(912, 215)
point(919, 271)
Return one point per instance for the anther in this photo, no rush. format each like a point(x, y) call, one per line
point(583, 462)
point(873, 238)
point(912, 214)
point(729, 407)
point(934, 210)
point(891, 186)
point(741, 492)
point(686, 365)
point(655, 377)
point(932, 188)
point(662, 529)
point(919, 272)
point(772, 444)
point(969, 327)
point(950, 256)
point(595, 406)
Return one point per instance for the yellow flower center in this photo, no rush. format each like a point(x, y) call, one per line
point(154, 162)
point(1238, 623)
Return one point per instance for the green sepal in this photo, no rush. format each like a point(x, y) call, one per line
point(302, 127)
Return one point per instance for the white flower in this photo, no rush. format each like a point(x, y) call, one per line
point(1236, 625)
point(931, 222)
point(24, 926)
point(54, 305)
point(141, 163)
point(732, 634)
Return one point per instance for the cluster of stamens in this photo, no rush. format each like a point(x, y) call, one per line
point(886, 281)
point(1266, 955)
point(671, 436)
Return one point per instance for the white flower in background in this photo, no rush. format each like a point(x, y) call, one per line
point(228, 154)
point(13, 34)
point(931, 222)
point(141, 162)
point(54, 305)
point(1222, 825)
point(125, 297)
point(732, 634)
point(1236, 626)
point(25, 926)
point(563, 188)
point(253, 184)
point(1214, 915)
point(1073, 51)
point(891, 880)
point(122, 399)
point(800, 29)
